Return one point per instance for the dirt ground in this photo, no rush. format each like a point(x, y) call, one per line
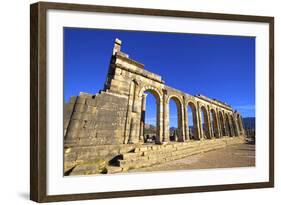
point(239, 155)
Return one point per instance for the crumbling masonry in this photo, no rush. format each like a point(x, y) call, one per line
point(112, 122)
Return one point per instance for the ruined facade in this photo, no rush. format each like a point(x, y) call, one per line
point(116, 115)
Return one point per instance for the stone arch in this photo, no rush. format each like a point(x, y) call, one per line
point(158, 94)
point(227, 125)
point(176, 98)
point(159, 109)
point(180, 116)
point(214, 122)
point(194, 130)
point(205, 129)
point(234, 125)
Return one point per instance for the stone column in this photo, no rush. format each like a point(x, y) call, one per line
point(142, 122)
point(159, 124)
point(129, 110)
point(166, 132)
point(228, 125)
point(217, 124)
point(182, 123)
point(136, 101)
point(186, 121)
point(196, 122)
point(225, 122)
point(231, 125)
point(236, 128)
point(241, 125)
point(220, 124)
point(199, 117)
point(224, 125)
point(210, 127)
point(238, 125)
point(132, 131)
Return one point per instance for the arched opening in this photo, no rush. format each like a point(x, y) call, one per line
point(175, 119)
point(150, 119)
point(192, 122)
point(214, 125)
point(205, 123)
point(222, 124)
point(227, 125)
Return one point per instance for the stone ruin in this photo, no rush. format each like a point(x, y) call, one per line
point(99, 128)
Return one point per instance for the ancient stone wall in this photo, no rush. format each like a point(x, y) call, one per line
point(97, 120)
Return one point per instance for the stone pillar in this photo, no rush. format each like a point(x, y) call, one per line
point(199, 117)
point(210, 128)
point(235, 125)
point(241, 125)
point(159, 124)
point(142, 122)
point(217, 125)
point(186, 120)
point(129, 110)
point(137, 110)
point(231, 126)
point(225, 122)
point(228, 125)
point(132, 131)
point(220, 124)
point(136, 103)
point(224, 125)
point(166, 132)
point(196, 122)
point(238, 125)
point(182, 123)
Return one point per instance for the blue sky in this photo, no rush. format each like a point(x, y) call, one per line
point(221, 67)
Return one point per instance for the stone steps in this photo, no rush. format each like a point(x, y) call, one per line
point(149, 155)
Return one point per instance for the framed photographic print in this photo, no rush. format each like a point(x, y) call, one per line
point(135, 102)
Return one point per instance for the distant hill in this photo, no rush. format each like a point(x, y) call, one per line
point(249, 123)
point(148, 126)
point(152, 129)
point(149, 129)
